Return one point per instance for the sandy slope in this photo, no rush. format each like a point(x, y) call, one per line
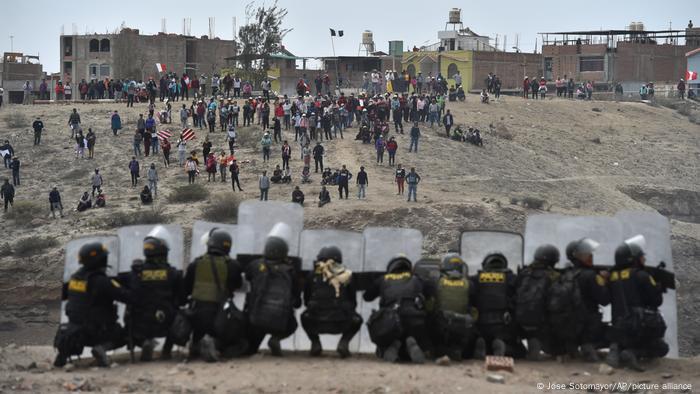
point(554, 154)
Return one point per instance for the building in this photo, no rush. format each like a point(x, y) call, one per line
point(15, 70)
point(129, 54)
point(693, 69)
point(632, 56)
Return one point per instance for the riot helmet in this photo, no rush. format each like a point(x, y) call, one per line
point(495, 262)
point(93, 255)
point(276, 245)
point(452, 262)
point(547, 254)
point(399, 263)
point(330, 253)
point(583, 251)
point(630, 252)
point(570, 249)
point(218, 242)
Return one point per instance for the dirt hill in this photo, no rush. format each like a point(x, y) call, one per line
point(558, 156)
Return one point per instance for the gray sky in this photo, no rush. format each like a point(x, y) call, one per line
point(36, 25)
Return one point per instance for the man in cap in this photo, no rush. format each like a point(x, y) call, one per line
point(274, 294)
point(638, 327)
point(157, 291)
point(210, 281)
point(330, 299)
point(91, 310)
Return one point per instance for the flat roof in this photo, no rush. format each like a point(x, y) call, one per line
point(613, 32)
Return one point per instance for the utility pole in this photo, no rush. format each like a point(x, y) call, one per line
point(12, 43)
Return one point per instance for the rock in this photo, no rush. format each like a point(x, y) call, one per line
point(605, 369)
point(494, 378)
point(667, 375)
point(37, 222)
point(443, 361)
point(596, 109)
point(69, 367)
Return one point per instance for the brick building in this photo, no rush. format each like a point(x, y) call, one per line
point(128, 54)
point(15, 70)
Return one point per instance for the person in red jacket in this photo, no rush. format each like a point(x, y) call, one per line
point(526, 87)
point(391, 147)
point(211, 167)
point(279, 112)
point(400, 178)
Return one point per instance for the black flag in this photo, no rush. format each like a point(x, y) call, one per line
point(340, 33)
point(332, 33)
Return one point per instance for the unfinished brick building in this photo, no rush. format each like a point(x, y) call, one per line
point(129, 54)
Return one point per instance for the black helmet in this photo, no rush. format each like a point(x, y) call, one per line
point(219, 242)
point(399, 263)
point(330, 253)
point(453, 262)
point(495, 262)
point(570, 250)
point(629, 253)
point(276, 248)
point(547, 254)
point(93, 255)
point(583, 247)
point(155, 247)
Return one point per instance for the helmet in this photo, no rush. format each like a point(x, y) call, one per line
point(584, 247)
point(399, 263)
point(330, 253)
point(630, 252)
point(548, 254)
point(570, 250)
point(155, 247)
point(93, 255)
point(277, 243)
point(495, 261)
point(453, 262)
point(218, 242)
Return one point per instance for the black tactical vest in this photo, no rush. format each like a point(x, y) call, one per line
point(82, 307)
point(399, 288)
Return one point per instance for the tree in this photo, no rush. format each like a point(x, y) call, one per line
point(262, 37)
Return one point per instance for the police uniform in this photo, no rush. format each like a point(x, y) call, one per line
point(91, 309)
point(401, 291)
point(328, 311)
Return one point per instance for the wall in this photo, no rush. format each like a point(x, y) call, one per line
point(433, 62)
point(511, 68)
point(565, 61)
point(693, 64)
point(657, 63)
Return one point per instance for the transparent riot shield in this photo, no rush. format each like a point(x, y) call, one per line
point(656, 230)
point(200, 228)
point(475, 245)
point(261, 217)
point(351, 246)
point(71, 259)
point(560, 230)
point(381, 245)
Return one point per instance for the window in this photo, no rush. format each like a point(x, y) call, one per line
point(93, 69)
point(411, 69)
point(451, 70)
point(596, 63)
point(104, 71)
point(548, 66)
point(104, 45)
point(349, 67)
point(67, 46)
point(94, 45)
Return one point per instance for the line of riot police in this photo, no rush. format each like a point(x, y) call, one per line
point(423, 313)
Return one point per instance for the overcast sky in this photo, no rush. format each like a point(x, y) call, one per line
point(36, 25)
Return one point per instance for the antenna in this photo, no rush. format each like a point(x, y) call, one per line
point(505, 43)
point(184, 26)
point(63, 30)
point(163, 27)
point(212, 23)
point(189, 26)
point(74, 29)
point(234, 28)
point(12, 43)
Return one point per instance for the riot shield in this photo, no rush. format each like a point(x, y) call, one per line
point(351, 245)
point(71, 259)
point(559, 230)
point(656, 230)
point(475, 245)
point(200, 228)
point(381, 245)
point(131, 245)
point(261, 216)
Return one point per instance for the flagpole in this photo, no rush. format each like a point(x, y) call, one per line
point(335, 60)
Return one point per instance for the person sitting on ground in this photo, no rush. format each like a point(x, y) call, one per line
point(327, 177)
point(100, 200)
point(484, 96)
point(306, 175)
point(457, 134)
point(324, 197)
point(84, 203)
point(146, 196)
point(286, 176)
point(276, 175)
point(298, 196)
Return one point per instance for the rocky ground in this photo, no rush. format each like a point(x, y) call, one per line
point(558, 156)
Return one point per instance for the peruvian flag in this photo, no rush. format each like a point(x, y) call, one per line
point(187, 81)
point(691, 75)
point(160, 67)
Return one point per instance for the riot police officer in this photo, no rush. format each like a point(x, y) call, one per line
point(494, 300)
point(157, 291)
point(592, 285)
point(211, 279)
point(275, 291)
point(91, 309)
point(398, 327)
point(452, 320)
point(330, 309)
point(532, 290)
point(637, 325)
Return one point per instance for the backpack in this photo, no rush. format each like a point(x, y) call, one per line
point(272, 303)
point(565, 295)
point(531, 297)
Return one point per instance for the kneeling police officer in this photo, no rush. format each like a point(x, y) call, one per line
point(91, 311)
point(330, 299)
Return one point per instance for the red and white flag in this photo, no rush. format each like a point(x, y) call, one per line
point(160, 67)
point(691, 75)
point(187, 82)
point(230, 159)
point(187, 134)
point(164, 135)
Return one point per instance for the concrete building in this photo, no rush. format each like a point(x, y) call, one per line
point(15, 70)
point(631, 56)
point(128, 54)
point(693, 66)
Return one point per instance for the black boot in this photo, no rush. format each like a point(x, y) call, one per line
point(630, 359)
point(499, 347)
point(480, 349)
point(534, 349)
point(167, 352)
point(147, 349)
point(344, 347)
point(589, 353)
point(275, 347)
point(316, 348)
point(391, 354)
point(613, 358)
point(99, 352)
point(207, 349)
point(60, 361)
point(414, 351)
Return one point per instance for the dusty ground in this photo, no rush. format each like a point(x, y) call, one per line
point(581, 158)
point(27, 369)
